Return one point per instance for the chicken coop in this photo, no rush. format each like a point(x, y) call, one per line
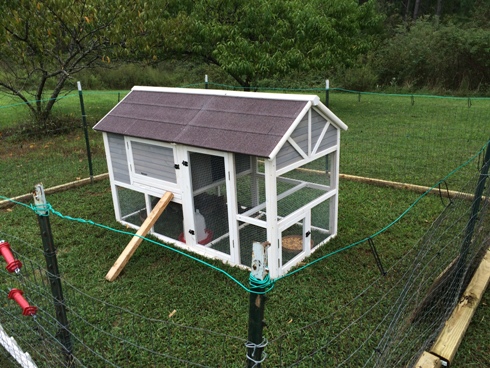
point(242, 167)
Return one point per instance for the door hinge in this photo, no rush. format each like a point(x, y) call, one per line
point(185, 163)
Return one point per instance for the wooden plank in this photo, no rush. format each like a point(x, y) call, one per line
point(419, 189)
point(137, 239)
point(455, 327)
point(59, 188)
point(428, 360)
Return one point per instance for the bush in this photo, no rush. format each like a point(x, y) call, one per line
point(358, 78)
point(434, 55)
point(171, 73)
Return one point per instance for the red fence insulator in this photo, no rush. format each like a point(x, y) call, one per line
point(13, 265)
point(27, 310)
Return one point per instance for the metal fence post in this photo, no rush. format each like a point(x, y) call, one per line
point(256, 342)
point(475, 208)
point(85, 132)
point(63, 333)
point(327, 92)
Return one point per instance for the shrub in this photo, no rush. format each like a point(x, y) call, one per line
point(435, 55)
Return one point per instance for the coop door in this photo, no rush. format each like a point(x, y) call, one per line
point(207, 173)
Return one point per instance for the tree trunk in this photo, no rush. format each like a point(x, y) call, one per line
point(407, 11)
point(416, 9)
point(439, 8)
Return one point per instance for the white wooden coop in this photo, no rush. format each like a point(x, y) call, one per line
point(242, 167)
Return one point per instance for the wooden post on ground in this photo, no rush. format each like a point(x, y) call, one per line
point(452, 334)
point(455, 328)
point(138, 238)
point(427, 360)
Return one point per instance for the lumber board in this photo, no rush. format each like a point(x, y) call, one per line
point(455, 327)
point(428, 360)
point(138, 237)
point(58, 188)
point(419, 189)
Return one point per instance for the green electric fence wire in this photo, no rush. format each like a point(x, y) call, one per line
point(41, 210)
point(35, 101)
point(263, 88)
point(73, 94)
point(412, 95)
point(90, 222)
point(267, 283)
point(319, 89)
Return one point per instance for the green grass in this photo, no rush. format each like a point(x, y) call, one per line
point(157, 281)
point(387, 138)
point(97, 104)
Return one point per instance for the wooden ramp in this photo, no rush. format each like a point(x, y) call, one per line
point(138, 238)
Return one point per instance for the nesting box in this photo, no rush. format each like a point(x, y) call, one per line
point(242, 167)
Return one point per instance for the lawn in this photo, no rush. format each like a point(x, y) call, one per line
point(388, 138)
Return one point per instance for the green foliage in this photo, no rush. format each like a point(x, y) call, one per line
point(44, 43)
point(169, 73)
point(360, 77)
point(261, 39)
point(445, 56)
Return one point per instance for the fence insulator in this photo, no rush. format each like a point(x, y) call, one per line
point(13, 265)
point(27, 310)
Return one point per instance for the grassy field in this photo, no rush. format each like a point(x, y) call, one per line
point(388, 138)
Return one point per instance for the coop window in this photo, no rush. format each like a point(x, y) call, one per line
point(132, 206)
point(153, 161)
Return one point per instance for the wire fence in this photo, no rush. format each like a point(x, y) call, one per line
point(398, 315)
point(387, 319)
point(101, 334)
point(403, 138)
point(413, 272)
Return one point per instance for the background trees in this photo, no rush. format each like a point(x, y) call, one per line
point(259, 39)
point(360, 44)
point(44, 43)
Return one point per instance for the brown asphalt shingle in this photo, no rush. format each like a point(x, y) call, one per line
point(247, 125)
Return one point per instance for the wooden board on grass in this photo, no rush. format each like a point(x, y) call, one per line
point(138, 238)
point(454, 330)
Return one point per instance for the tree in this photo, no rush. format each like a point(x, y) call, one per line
point(44, 43)
point(256, 39)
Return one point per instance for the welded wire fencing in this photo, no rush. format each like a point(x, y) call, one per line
point(385, 318)
point(101, 334)
point(397, 316)
point(376, 302)
point(402, 138)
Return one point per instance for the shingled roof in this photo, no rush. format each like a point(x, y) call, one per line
point(241, 122)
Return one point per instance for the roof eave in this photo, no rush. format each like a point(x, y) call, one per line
point(218, 92)
point(290, 130)
point(331, 116)
point(110, 111)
